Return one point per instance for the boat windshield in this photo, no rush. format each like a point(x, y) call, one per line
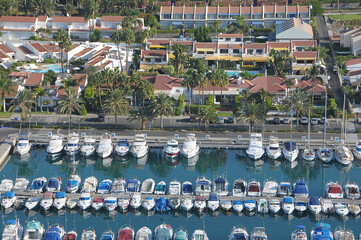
point(22, 144)
point(72, 144)
point(358, 148)
point(88, 143)
point(273, 148)
point(84, 198)
point(34, 235)
point(160, 187)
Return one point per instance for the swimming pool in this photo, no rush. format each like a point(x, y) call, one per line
point(55, 67)
point(236, 73)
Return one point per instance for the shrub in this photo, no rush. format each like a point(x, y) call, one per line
point(194, 109)
point(89, 92)
point(168, 69)
point(48, 60)
point(31, 125)
point(84, 111)
point(33, 38)
point(210, 100)
point(180, 105)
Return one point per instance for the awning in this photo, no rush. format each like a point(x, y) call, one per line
point(171, 56)
point(299, 68)
point(205, 49)
point(177, 23)
point(280, 49)
point(305, 58)
point(150, 66)
point(157, 46)
point(254, 58)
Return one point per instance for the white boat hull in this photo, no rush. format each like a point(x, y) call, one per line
point(255, 154)
point(59, 204)
point(189, 153)
point(315, 209)
point(46, 204)
point(357, 154)
point(105, 153)
point(122, 152)
point(140, 154)
point(325, 158)
point(23, 150)
point(290, 155)
point(97, 206)
point(274, 154)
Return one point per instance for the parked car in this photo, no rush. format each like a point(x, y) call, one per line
point(276, 120)
point(304, 120)
point(193, 118)
point(230, 119)
point(221, 120)
point(314, 121)
point(286, 120)
point(101, 117)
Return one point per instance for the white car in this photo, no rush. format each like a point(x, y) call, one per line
point(304, 120)
point(286, 120)
point(314, 121)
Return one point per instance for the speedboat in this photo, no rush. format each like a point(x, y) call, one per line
point(34, 231)
point(123, 204)
point(270, 188)
point(105, 147)
point(273, 150)
point(85, 201)
point(284, 189)
point(171, 149)
point(21, 184)
point(250, 205)
point(187, 203)
point(54, 232)
point(308, 154)
point(163, 232)
point(341, 209)
point(314, 205)
point(88, 147)
point(174, 188)
point(343, 155)
point(200, 203)
point(161, 205)
point(352, 191)
point(290, 151)
point(72, 235)
point(59, 200)
point(23, 146)
point(160, 188)
point(133, 185)
point(88, 235)
point(300, 206)
point(32, 203)
point(110, 203)
point(136, 200)
point(262, 206)
point(239, 188)
point(144, 234)
point(225, 204)
point(327, 206)
point(181, 234)
point(71, 203)
point(237, 206)
point(174, 203)
point(299, 233)
point(118, 186)
point(73, 184)
point(126, 233)
point(6, 185)
point(47, 201)
point(220, 186)
point(105, 186)
point(107, 235)
point(321, 231)
point(8, 200)
point(55, 144)
point(325, 154)
point(354, 209)
point(139, 148)
point(357, 150)
point(53, 185)
point(300, 189)
point(90, 185)
point(148, 203)
point(38, 185)
point(203, 187)
point(199, 235)
point(122, 147)
point(254, 189)
point(12, 230)
point(334, 190)
point(258, 233)
point(274, 205)
point(238, 234)
point(72, 147)
point(288, 205)
point(190, 147)
point(187, 188)
point(97, 203)
point(255, 149)
point(148, 186)
point(213, 202)
point(342, 233)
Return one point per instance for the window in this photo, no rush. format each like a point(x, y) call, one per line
point(238, 39)
point(212, 16)
point(209, 52)
point(304, 15)
point(188, 16)
point(200, 16)
point(200, 52)
point(268, 15)
point(257, 16)
point(177, 16)
point(189, 25)
point(259, 51)
point(280, 15)
point(291, 15)
point(223, 16)
point(247, 16)
point(166, 16)
point(224, 51)
point(165, 25)
point(177, 90)
point(228, 39)
point(148, 60)
point(249, 51)
point(158, 60)
point(248, 63)
point(235, 50)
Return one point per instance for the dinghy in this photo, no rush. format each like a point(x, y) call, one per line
point(119, 186)
point(148, 186)
point(90, 185)
point(160, 188)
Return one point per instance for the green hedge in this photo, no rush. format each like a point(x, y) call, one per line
point(267, 30)
point(194, 109)
point(31, 126)
point(48, 60)
point(180, 105)
point(84, 111)
point(210, 100)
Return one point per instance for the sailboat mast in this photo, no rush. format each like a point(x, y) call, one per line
point(291, 119)
point(343, 118)
point(309, 128)
point(324, 124)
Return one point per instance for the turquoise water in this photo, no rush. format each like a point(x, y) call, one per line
point(55, 67)
point(211, 163)
point(236, 73)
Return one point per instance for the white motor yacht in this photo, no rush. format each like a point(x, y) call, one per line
point(21, 184)
point(220, 186)
point(273, 150)
point(357, 150)
point(352, 191)
point(110, 203)
point(123, 204)
point(327, 206)
point(341, 209)
point(88, 147)
point(47, 201)
point(250, 205)
point(97, 203)
point(290, 151)
point(72, 147)
point(187, 188)
point(6, 185)
point(174, 188)
point(171, 149)
point(148, 186)
point(200, 203)
point(354, 209)
point(325, 154)
point(34, 231)
point(73, 183)
point(300, 206)
point(334, 190)
point(199, 235)
point(55, 144)
point(90, 185)
point(139, 148)
point(213, 202)
point(59, 200)
point(88, 235)
point(53, 185)
point(203, 187)
point(342, 233)
point(255, 149)
point(237, 206)
point(12, 230)
point(85, 201)
point(274, 205)
point(225, 204)
point(314, 205)
point(144, 234)
point(38, 185)
point(23, 146)
point(254, 189)
point(122, 147)
point(343, 155)
point(136, 200)
point(105, 147)
point(288, 205)
point(72, 203)
point(32, 203)
point(8, 200)
point(258, 233)
point(238, 234)
point(239, 188)
point(262, 206)
point(148, 203)
point(190, 147)
point(187, 203)
point(270, 188)
point(163, 232)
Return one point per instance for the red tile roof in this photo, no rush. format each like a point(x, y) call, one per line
point(69, 19)
point(163, 82)
point(355, 73)
point(95, 61)
point(223, 10)
point(353, 61)
point(158, 41)
point(230, 35)
point(5, 49)
point(25, 50)
point(209, 87)
point(80, 78)
point(42, 18)
point(61, 91)
point(230, 46)
point(34, 79)
point(153, 53)
point(305, 54)
point(305, 43)
point(39, 47)
point(83, 52)
point(112, 18)
point(268, 83)
point(257, 10)
point(105, 64)
point(180, 10)
point(185, 43)
point(18, 19)
point(255, 46)
point(3, 55)
point(14, 92)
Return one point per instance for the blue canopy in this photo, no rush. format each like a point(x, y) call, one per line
point(187, 188)
point(105, 186)
point(60, 195)
point(52, 234)
point(9, 194)
point(285, 184)
point(249, 201)
point(123, 142)
point(8, 222)
point(288, 146)
point(33, 225)
point(239, 236)
point(203, 183)
point(135, 181)
point(107, 236)
point(162, 200)
point(237, 202)
point(213, 197)
point(322, 232)
point(73, 183)
point(314, 200)
point(85, 198)
point(110, 201)
point(287, 200)
point(220, 180)
point(323, 225)
point(301, 204)
point(149, 198)
point(300, 188)
point(37, 184)
point(53, 183)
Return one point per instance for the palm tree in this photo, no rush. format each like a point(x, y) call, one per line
point(117, 39)
point(141, 114)
point(40, 92)
point(180, 56)
point(128, 38)
point(70, 8)
point(70, 103)
point(146, 90)
point(97, 81)
point(162, 106)
point(208, 114)
point(301, 103)
point(281, 61)
point(136, 80)
point(222, 80)
point(252, 113)
point(289, 84)
point(245, 96)
point(6, 87)
point(313, 72)
point(25, 102)
point(42, 7)
point(199, 79)
point(189, 83)
point(91, 8)
point(116, 104)
point(63, 39)
point(239, 26)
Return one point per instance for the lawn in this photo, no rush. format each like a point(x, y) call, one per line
point(5, 114)
point(225, 114)
point(346, 17)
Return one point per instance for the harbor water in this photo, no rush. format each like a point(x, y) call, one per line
point(210, 163)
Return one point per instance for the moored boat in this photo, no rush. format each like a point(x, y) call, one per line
point(47, 201)
point(72, 147)
point(144, 233)
point(262, 206)
point(190, 147)
point(174, 202)
point(352, 191)
point(12, 230)
point(126, 233)
point(23, 145)
point(59, 200)
point(139, 148)
point(88, 235)
point(148, 203)
point(254, 189)
point(225, 204)
point(239, 188)
point(136, 200)
point(6, 185)
point(54, 232)
point(123, 204)
point(73, 183)
point(274, 205)
point(258, 233)
point(357, 150)
point(161, 205)
point(200, 203)
point(133, 185)
point(187, 188)
point(38, 185)
point(273, 150)
point(300, 189)
point(85, 201)
point(105, 186)
point(255, 149)
point(270, 188)
point(343, 155)
point(314, 205)
point(250, 205)
point(290, 151)
point(325, 154)
point(199, 235)
point(53, 185)
point(299, 233)
point(238, 234)
point(55, 145)
point(32, 203)
point(284, 189)
point(71, 235)
point(88, 147)
point(327, 206)
point(105, 147)
point(321, 231)
point(122, 147)
point(187, 203)
point(21, 184)
point(148, 186)
point(90, 185)
point(110, 203)
point(8, 200)
point(288, 205)
point(171, 149)
point(334, 190)
point(119, 186)
point(300, 206)
point(237, 206)
point(342, 233)
point(160, 188)
point(203, 187)
point(174, 188)
point(107, 235)
point(220, 186)
point(213, 202)
point(97, 203)
point(34, 230)
point(341, 209)
point(163, 232)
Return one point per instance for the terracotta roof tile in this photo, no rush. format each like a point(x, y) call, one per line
point(305, 54)
point(18, 19)
point(204, 45)
point(230, 46)
point(153, 53)
point(268, 83)
point(103, 65)
point(303, 9)
point(200, 10)
point(306, 43)
point(158, 41)
point(163, 82)
point(257, 10)
point(112, 18)
point(246, 10)
point(234, 10)
point(95, 61)
point(14, 92)
point(166, 10)
point(280, 9)
point(355, 73)
point(3, 55)
point(5, 49)
point(209, 87)
point(42, 18)
point(80, 78)
point(256, 46)
point(69, 19)
point(269, 9)
point(212, 10)
point(353, 61)
point(83, 52)
point(34, 79)
point(39, 47)
point(223, 10)
point(292, 9)
point(180, 10)
point(25, 50)
point(186, 43)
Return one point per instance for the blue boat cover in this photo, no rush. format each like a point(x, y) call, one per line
point(163, 234)
point(203, 183)
point(249, 201)
point(105, 186)
point(53, 183)
point(123, 142)
point(287, 200)
point(52, 234)
point(301, 204)
point(300, 188)
point(220, 180)
point(239, 236)
point(237, 202)
point(84, 198)
point(8, 222)
point(60, 195)
point(72, 183)
point(213, 197)
point(300, 227)
point(149, 198)
point(110, 201)
point(37, 184)
point(107, 236)
point(314, 200)
point(133, 181)
point(187, 188)
point(285, 184)
point(322, 232)
point(9, 194)
point(288, 146)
